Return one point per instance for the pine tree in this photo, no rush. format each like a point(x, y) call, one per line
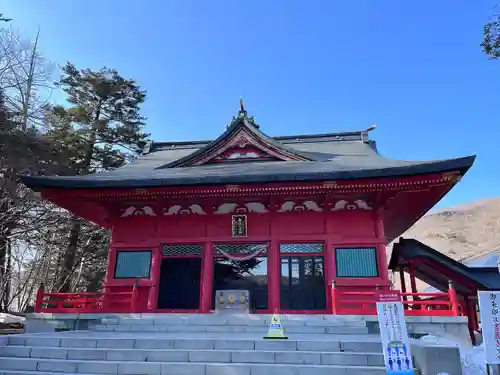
point(104, 125)
point(20, 152)
point(491, 37)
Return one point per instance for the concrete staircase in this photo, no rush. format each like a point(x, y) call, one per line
point(199, 345)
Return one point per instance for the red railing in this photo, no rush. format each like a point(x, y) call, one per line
point(419, 304)
point(95, 302)
point(343, 303)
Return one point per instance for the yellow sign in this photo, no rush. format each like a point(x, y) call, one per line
point(275, 328)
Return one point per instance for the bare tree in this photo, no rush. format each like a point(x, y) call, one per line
point(41, 243)
point(24, 91)
point(25, 77)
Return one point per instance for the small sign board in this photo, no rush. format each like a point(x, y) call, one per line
point(489, 306)
point(388, 296)
point(393, 332)
point(232, 301)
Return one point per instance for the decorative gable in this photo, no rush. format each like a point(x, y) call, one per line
point(241, 142)
point(243, 152)
point(243, 146)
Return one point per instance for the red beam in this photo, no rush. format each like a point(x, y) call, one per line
point(374, 185)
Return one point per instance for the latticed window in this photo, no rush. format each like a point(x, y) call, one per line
point(356, 262)
point(132, 264)
point(239, 248)
point(172, 250)
point(301, 248)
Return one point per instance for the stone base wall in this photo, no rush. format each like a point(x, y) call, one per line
point(454, 328)
point(451, 327)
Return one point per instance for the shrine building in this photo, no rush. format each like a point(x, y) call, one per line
point(279, 217)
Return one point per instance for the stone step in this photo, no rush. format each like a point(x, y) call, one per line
point(123, 341)
point(53, 366)
point(238, 320)
point(208, 356)
point(229, 328)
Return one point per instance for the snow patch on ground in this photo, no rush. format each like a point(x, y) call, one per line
point(11, 319)
point(472, 358)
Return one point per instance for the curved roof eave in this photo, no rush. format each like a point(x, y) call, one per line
point(251, 173)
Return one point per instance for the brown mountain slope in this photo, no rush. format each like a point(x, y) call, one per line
point(464, 232)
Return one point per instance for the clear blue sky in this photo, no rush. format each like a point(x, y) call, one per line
point(415, 68)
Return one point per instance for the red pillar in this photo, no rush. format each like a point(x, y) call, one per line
point(475, 314)
point(468, 311)
point(155, 279)
point(413, 283)
point(453, 299)
point(39, 298)
point(134, 302)
point(402, 281)
point(473, 309)
point(334, 297)
point(110, 266)
point(273, 275)
point(330, 271)
point(464, 309)
point(473, 320)
point(381, 250)
point(110, 270)
point(207, 275)
point(411, 269)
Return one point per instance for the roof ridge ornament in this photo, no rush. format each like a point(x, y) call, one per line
point(243, 114)
point(364, 133)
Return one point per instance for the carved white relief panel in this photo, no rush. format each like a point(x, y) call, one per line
point(256, 207)
point(138, 211)
point(358, 204)
point(228, 208)
point(193, 209)
point(300, 207)
point(243, 155)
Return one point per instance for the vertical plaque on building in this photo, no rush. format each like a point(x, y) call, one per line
point(239, 226)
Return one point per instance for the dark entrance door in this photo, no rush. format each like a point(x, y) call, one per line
point(180, 284)
point(302, 283)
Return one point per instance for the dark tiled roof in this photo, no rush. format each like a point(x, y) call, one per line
point(486, 278)
point(334, 156)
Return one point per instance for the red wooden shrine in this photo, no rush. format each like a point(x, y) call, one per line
point(282, 217)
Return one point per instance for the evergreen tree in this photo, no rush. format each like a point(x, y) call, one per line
point(491, 38)
point(103, 125)
point(21, 152)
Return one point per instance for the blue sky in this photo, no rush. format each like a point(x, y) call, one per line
point(414, 68)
